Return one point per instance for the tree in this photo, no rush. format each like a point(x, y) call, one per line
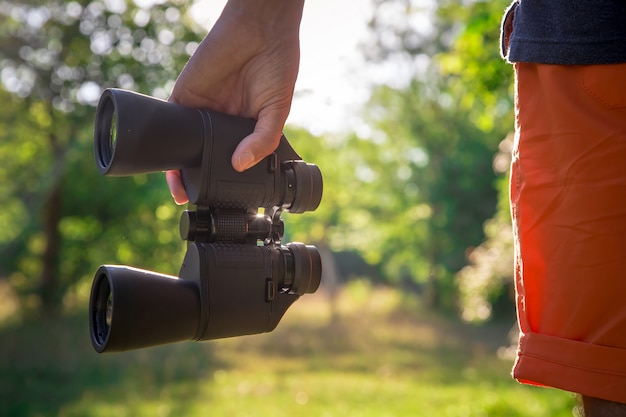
point(453, 112)
point(412, 197)
point(487, 280)
point(57, 57)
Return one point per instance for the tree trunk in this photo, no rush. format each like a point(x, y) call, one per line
point(49, 280)
point(50, 291)
point(432, 296)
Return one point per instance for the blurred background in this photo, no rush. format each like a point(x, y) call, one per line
point(405, 105)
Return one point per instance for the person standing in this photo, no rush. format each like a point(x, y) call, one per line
point(568, 196)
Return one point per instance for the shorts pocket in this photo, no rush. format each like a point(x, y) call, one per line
point(606, 84)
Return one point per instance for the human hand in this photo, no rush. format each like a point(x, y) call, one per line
point(246, 66)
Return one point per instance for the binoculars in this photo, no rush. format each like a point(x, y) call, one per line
point(236, 277)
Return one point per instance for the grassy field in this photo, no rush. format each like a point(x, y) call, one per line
point(367, 353)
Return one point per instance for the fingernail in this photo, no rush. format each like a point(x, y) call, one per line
point(245, 161)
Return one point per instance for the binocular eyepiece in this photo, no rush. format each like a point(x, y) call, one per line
point(237, 278)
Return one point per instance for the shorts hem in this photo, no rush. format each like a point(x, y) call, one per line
point(579, 367)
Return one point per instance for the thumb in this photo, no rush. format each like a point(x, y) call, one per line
point(261, 142)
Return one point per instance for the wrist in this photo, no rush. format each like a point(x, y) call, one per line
point(266, 15)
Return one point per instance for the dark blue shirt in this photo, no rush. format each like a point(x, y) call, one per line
point(578, 32)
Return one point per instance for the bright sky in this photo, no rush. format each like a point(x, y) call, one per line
point(332, 84)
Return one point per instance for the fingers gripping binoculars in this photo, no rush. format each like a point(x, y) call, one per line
point(236, 277)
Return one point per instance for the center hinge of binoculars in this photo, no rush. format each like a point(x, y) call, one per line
point(210, 225)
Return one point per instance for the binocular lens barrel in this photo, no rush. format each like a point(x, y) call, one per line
point(131, 308)
point(138, 134)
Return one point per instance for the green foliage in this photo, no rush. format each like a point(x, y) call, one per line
point(487, 279)
point(65, 52)
point(484, 82)
point(62, 218)
point(476, 76)
point(451, 116)
point(451, 179)
point(411, 198)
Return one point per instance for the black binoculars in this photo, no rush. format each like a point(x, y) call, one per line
point(236, 277)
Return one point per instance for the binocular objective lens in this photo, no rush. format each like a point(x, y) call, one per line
point(109, 311)
point(106, 132)
point(102, 310)
point(113, 133)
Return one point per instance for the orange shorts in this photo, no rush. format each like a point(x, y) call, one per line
point(568, 202)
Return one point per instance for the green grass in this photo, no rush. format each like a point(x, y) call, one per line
point(367, 353)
